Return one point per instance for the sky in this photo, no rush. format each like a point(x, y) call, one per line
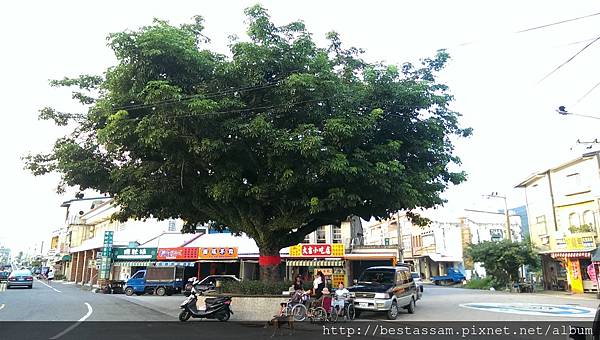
point(494, 75)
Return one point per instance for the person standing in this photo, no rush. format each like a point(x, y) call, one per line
point(50, 276)
point(318, 285)
point(298, 283)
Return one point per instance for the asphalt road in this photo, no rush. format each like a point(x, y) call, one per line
point(156, 317)
point(64, 302)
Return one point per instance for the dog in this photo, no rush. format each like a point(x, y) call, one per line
point(278, 321)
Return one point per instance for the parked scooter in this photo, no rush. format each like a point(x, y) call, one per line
point(216, 308)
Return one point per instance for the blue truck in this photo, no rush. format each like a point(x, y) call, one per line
point(453, 276)
point(156, 280)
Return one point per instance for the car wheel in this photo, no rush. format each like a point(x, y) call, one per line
point(160, 291)
point(421, 289)
point(392, 314)
point(356, 314)
point(411, 306)
point(30, 287)
point(129, 291)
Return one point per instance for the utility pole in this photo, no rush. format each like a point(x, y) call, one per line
point(400, 245)
point(506, 213)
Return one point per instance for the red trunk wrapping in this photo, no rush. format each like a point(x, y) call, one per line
point(269, 260)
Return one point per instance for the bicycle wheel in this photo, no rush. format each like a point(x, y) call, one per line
point(319, 315)
point(299, 312)
point(350, 313)
point(333, 315)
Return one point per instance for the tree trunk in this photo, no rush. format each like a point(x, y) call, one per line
point(270, 263)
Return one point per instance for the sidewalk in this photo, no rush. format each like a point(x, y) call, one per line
point(582, 296)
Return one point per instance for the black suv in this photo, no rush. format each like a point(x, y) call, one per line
point(385, 289)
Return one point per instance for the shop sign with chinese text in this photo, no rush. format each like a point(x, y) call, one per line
point(134, 253)
point(317, 250)
point(181, 253)
point(218, 253)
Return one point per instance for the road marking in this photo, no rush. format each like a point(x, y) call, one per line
point(2, 287)
point(73, 326)
point(1, 306)
point(56, 290)
point(537, 309)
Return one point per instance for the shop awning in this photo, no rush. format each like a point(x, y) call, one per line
point(175, 264)
point(571, 254)
point(133, 263)
point(66, 258)
point(370, 256)
point(444, 258)
point(314, 263)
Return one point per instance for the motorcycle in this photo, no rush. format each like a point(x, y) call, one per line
point(216, 308)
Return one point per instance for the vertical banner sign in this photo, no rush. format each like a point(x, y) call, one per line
point(106, 255)
point(591, 272)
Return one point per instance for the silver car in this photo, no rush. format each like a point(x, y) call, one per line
point(20, 278)
point(419, 281)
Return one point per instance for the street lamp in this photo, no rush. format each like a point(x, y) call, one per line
point(496, 195)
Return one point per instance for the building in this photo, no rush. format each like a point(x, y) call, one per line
point(86, 238)
point(562, 206)
point(432, 249)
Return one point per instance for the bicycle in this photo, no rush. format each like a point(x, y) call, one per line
point(295, 307)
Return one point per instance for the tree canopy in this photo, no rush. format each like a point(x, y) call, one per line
point(275, 139)
point(503, 259)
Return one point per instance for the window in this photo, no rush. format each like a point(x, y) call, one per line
point(588, 219)
point(306, 239)
point(573, 220)
point(496, 234)
point(541, 225)
point(337, 234)
point(138, 275)
point(321, 235)
point(172, 226)
point(574, 180)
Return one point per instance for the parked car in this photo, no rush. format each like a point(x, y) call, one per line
point(419, 282)
point(385, 289)
point(208, 283)
point(20, 278)
point(4, 275)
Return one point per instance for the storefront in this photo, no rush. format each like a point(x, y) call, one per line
point(127, 261)
point(179, 257)
point(308, 259)
point(575, 263)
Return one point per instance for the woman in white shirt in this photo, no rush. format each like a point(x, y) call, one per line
point(340, 294)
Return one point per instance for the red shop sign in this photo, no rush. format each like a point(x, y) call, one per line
point(182, 253)
point(316, 250)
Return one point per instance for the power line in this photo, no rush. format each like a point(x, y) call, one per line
point(569, 60)
point(556, 23)
point(588, 92)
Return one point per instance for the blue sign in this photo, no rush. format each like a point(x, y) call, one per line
point(537, 309)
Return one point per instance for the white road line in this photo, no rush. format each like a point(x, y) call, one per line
point(56, 290)
point(1, 306)
point(70, 328)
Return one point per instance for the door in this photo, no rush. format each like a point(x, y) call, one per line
point(137, 281)
point(403, 288)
